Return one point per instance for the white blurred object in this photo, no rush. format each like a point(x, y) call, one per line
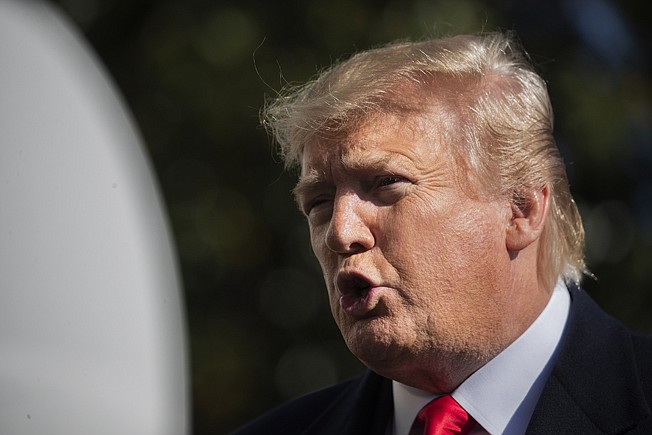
point(91, 324)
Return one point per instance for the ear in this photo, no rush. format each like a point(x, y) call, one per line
point(529, 215)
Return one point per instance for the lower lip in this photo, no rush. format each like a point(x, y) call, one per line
point(360, 305)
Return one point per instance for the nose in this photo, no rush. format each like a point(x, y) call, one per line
point(349, 230)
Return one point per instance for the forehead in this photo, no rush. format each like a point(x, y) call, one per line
point(376, 141)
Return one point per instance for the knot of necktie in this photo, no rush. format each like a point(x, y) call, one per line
point(444, 416)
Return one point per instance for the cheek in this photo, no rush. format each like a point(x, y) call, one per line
point(326, 258)
point(483, 228)
point(443, 247)
point(416, 233)
point(318, 242)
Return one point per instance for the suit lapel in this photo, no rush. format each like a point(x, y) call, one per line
point(363, 409)
point(595, 365)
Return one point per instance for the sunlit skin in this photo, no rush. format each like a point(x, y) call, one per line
point(426, 281)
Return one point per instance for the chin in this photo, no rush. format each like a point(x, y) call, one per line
point(376, 345)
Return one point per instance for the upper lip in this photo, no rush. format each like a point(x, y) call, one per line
point(353, 282)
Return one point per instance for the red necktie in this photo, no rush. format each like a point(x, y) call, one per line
point(444, 416)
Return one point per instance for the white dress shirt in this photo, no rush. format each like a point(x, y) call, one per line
point(502, 394)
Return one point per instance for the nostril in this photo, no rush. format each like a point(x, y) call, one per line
point(350, 241)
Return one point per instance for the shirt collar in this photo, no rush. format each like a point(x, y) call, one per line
point(502, 394)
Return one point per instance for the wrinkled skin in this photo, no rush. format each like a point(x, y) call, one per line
point(421, 278)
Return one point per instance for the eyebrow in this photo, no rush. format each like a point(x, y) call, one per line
point(316, 180)
point(308, 183)
point(370, 163)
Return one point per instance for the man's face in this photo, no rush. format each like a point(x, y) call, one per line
point(417, 270)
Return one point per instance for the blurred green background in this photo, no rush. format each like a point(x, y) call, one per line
point(195, 74)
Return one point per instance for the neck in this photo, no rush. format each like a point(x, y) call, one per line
point(441, 371)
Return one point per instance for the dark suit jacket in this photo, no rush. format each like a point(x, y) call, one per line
point(601, 383)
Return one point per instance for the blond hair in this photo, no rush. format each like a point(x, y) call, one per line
point(503, 118)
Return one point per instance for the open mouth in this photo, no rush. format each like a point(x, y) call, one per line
point(355, 286)
point(360, 287)
point(357, 294)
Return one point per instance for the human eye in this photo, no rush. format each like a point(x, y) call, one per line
point(316, 204)
point(313, 195)
point(389, 180)
point(391, 188)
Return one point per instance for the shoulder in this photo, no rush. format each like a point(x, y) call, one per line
point(298, 415)
point(642, 346)
point(602, 377)
point(591, 332)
